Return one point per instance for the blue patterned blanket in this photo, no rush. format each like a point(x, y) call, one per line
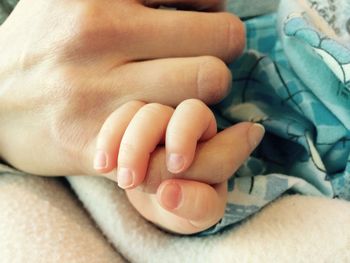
point(293, 78)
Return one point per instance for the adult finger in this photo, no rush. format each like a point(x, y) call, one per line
point(192, 121)
point(172, 80)
point(217, 34)
point(215, 161)
point(141, 137)
point(182, 206)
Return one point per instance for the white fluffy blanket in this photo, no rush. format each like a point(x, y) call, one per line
point(42, 221)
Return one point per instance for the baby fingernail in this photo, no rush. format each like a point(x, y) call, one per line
point(175, 162)
point(171, 196)
point(125, 178)
point(255, 134)
point(100, 160)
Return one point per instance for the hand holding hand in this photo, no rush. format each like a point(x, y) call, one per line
point(67, 65)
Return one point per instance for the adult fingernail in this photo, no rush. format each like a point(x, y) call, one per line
point(125, 178)
point(171, 196)
point(100, 160)
point(175, 163)
point(255, 134)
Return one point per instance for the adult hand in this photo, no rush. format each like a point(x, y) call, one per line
point(66, 65)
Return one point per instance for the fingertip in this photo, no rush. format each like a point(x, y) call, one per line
point(125, 178)
point(103, 162)
point(100, 160)
point(255, 134)
point(175, 163)
point(237, 37)
point(131, 170)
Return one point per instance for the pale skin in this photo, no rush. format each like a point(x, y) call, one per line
point(66, 65)
point(132, 133)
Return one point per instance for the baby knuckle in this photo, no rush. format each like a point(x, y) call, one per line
point(175, 135)
point(134, 104)
point(127, 149)
point(156, 109)
point(193, 103)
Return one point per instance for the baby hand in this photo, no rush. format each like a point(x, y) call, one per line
point(132, 132)
point(129, 139)
point(196, 199)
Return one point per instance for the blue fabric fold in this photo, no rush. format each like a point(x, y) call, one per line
point(293, 78)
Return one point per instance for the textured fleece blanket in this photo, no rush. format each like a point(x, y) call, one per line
point(42, 221)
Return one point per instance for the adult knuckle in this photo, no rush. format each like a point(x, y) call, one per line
point(75, 89)
point(85, 15)
point(235, 35)
point(76, 28)
point(74, 105)
point(91, 30)
point(214, 79)
point(66, 88)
